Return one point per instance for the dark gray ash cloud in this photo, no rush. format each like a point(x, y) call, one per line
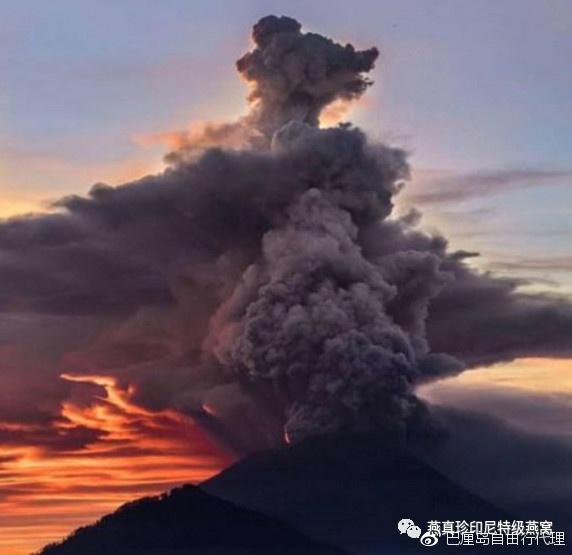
point(456, 188)
point(295, 75)
point(265, 289)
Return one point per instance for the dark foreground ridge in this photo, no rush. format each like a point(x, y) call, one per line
point(187, 521)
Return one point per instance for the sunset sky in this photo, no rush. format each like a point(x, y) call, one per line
point(478, 92)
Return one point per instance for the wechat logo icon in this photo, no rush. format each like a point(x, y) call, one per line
point(407, 526)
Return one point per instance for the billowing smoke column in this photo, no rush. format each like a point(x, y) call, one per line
point(261, 285)
point(295, 75)
point(308, 323)
point(307, 326)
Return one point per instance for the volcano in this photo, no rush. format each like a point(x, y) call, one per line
point(344, 491)
point(288, 302)
point(352, 491)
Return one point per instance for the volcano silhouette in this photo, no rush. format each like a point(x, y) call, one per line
point(348, 492)
point(352, 491)
point(187, 521)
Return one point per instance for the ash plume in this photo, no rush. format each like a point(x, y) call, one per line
point(261, 283)
point(295, 75)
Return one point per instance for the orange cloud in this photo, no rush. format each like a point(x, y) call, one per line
point(534, 375)
point(204, 134)
point(199, 136)
point(335, 112)
point(135, 452)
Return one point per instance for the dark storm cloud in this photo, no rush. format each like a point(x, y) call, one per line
point(268, 279)
point(479, 318)
point(457, 188)
point(482, 320)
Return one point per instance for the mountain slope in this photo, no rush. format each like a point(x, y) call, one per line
point(187, 521)
point(352, 492)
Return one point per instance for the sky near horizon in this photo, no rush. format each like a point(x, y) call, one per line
point(477, 92)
